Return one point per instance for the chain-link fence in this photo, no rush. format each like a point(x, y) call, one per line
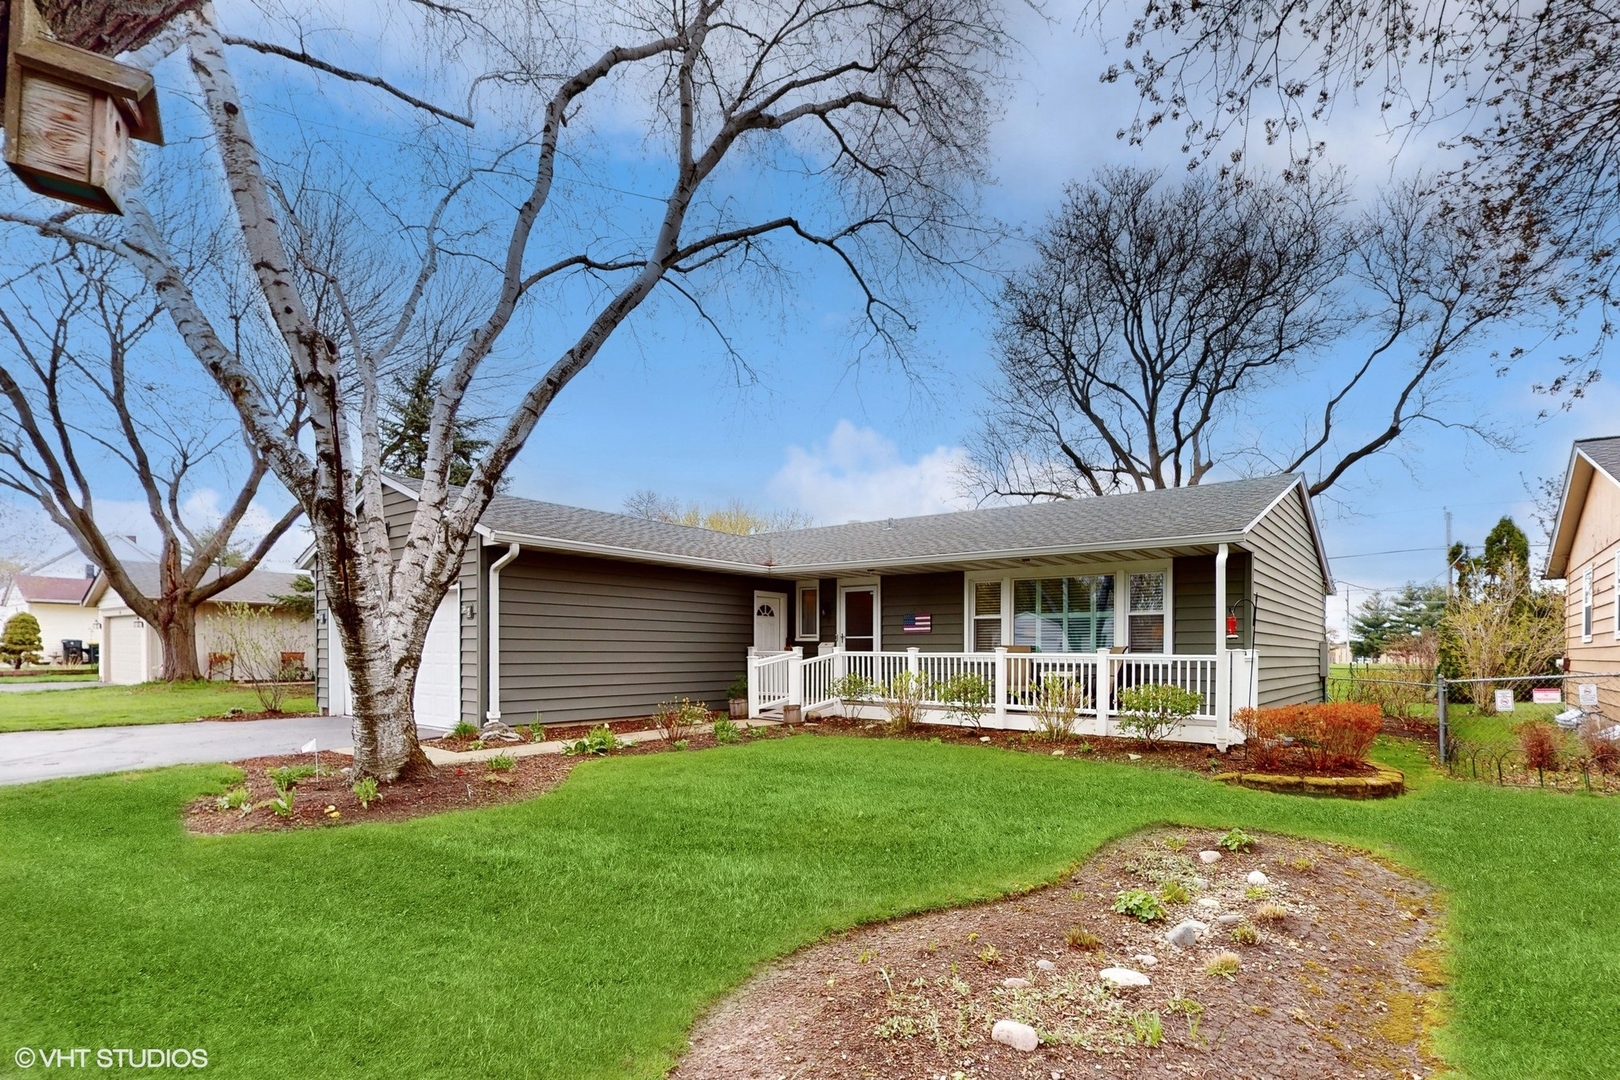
point(1559, 730)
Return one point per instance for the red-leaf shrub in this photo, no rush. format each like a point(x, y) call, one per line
point(1327, 736)
point(1538, 742)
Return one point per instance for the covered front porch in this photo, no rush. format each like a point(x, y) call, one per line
point(1226, 682)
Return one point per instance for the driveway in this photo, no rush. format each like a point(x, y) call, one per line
point(12, 687)
point(26, 756)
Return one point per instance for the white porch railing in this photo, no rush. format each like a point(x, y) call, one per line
point(789, 678)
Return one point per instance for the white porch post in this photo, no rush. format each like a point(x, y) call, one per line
point(1223, 660)
point(913, 664)
point(1001, 686)
point(494, 678)
point(796, 677)
point(753, 683)
point(1105, 690)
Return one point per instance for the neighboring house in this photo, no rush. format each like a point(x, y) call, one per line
point(57, 602)
point(1585, 556)
point(582, 615)
point(132, 652)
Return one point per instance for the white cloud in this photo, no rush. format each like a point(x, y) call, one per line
point(858, 475)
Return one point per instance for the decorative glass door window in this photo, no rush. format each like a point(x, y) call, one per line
point(1070, 614)
point(1146, 592)
point(986, 616)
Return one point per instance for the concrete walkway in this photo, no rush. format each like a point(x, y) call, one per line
point(9, 686)
point(26, 756)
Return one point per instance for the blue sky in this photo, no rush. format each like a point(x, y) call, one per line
point(662, 408)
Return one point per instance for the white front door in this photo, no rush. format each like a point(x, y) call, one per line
point(770, 621)
point(437, 702)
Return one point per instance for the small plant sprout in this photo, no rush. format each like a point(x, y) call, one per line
point(1192, 1010)
point(234, 799)
point(1139, 904)
point(1302, 865)
point(1237, 840)
point(502, 763)
point(365, 790)
point(726, 731)
point(1176, 843)
point(600, 740)
point(537, 730)
point(1271, 913)
point(1174, 892)
point(1147, 1028)
point(1255, 892)
point(989, 955)
point(1225, 965)
point(464, 729)
point(1244, 934)
point(1078, 937)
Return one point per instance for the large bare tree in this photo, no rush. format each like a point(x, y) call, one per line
point(872, 114)
point(86, 405)
point(1161, 323)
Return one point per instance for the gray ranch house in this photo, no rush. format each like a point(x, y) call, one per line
point(579, 615)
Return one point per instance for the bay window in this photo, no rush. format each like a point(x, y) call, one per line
point(1058, 612)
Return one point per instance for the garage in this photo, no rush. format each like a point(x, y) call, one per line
point(126, 651)
point(437, 702)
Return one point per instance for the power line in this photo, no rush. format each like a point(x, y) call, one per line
point(1370, 554)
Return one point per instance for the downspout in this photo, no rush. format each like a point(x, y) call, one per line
point(494, 680)
point(1223, 663)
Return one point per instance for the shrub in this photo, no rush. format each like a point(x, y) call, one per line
point(967, 699)
point(257, 638)
point(1156, 711)
point(1078, 937)
point(365, 790)
point(854, 689)
point(464, 729)
point(1225, 965)
point(738, 687)
point(599, 740)
point(234, 799)
point(903, 697)
point(19, 641)
point(1602, 747)
point(1236, 840)
point(677, 720)
point(1058, 701)
point(1538, 742)
point(725, 731)
point(1264, 741)
point(287, 776)
point(1139, 904)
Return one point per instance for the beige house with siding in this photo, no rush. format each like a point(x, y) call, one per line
point(1585, 556)
point(579, 615)
point(58, 604)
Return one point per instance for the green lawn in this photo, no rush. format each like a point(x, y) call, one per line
point(578, 934)
point(148, 703)
point(53, 677)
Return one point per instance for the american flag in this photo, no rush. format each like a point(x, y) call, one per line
point(917, 624)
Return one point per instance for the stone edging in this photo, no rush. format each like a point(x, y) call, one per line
point(1386, 784)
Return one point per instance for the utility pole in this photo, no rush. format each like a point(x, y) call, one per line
point(1448, 556)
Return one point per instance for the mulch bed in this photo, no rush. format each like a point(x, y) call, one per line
point(263, 714)
point(1343, 980)
point(564, 732)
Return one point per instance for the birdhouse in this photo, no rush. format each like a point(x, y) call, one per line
point(70, 113)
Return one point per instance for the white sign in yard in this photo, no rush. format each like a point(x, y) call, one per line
point(1504, 701)
point(1546, 695)
point(1588, 692)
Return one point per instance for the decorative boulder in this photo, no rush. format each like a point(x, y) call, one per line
point(1124, 978)
point(1257, 878)
point(1210, 856)
point(1185, 934)
point(1016, 1035)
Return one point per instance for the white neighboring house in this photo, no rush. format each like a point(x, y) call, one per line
point(58, 604)
point(131, 651)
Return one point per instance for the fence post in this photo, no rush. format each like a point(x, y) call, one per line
point(795, 687)
point(1440, 711)
point(913, 664)
point(1001, 685)
point(1105, 690)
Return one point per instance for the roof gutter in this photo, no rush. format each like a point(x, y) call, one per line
point(494, 682)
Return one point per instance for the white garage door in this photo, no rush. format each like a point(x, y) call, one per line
point(122, 639)
point(438, 683)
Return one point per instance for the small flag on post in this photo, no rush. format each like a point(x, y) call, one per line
point(921, 623)
point(311, 748)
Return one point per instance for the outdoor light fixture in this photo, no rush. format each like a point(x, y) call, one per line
point(320, 618)
point(469, 610)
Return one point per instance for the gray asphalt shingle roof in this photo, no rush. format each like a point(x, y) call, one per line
point(1157, 518)
point(259, 587)
point(1605, 452)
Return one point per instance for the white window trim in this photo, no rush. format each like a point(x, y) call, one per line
point(1121, 572)
point(798, 611)
point(1586, 606)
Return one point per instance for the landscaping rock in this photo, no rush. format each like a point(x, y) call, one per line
point(1210, 856)
point(1016, 1035)
point(498, 732)
point(1045, 965)
point(1124, 978)
point(1184, 935)
point(1231, 918)
point(1258, 878)
point(1209, 902)
point(1014, 983)
point(1145, 959)
point(1200, 884)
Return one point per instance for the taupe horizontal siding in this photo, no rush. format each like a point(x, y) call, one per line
point(323, 660)
point(1291, 616)
point(1193, 594)
point(594, 639)
point(938, 595)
